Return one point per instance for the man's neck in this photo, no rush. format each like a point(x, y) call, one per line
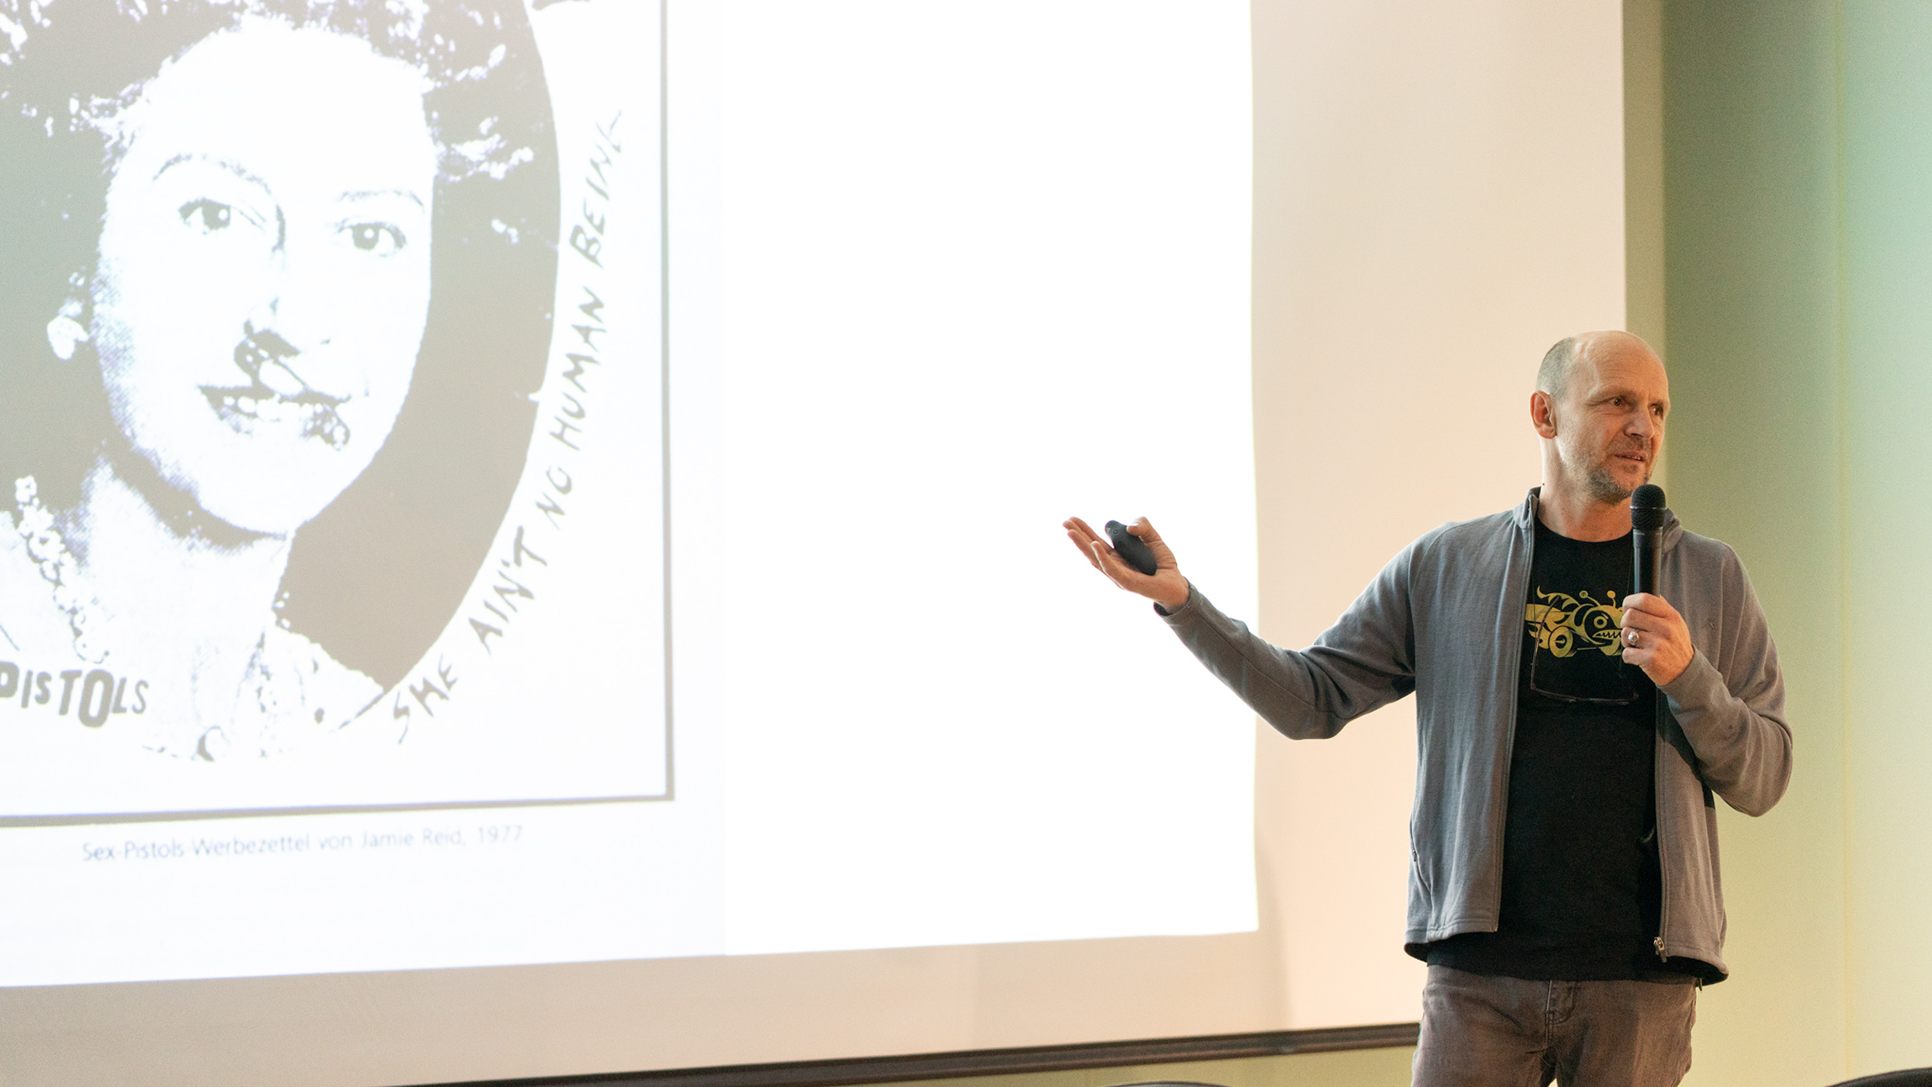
point(1580, 517)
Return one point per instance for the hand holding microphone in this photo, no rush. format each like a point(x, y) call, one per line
point(1655, 637)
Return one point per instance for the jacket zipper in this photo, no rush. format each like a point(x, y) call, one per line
point(1515, 679)
point(1657, 777)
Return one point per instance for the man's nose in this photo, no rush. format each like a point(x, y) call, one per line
point(1641, 424)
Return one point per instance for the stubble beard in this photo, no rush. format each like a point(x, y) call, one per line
point(1600, 481)
point(1602, 485)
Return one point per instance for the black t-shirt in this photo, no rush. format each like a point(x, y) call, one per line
point(1582, 893)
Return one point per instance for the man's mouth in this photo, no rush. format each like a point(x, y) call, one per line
point(258, 409)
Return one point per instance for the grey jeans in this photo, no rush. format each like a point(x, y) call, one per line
point(1506, 1032)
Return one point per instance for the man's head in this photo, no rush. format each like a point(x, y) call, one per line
point(1599, 406)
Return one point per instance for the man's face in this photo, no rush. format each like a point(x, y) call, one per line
point(1610, 421)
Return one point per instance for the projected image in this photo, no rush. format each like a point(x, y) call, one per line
point(278, 308)
point(334, 353)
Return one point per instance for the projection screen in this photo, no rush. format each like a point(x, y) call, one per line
point(533, 537)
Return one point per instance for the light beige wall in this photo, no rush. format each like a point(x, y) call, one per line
point(1643, 172)
point(1438, 198)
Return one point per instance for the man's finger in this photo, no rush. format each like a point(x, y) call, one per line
point(1083, 537)
point(1117, 568)
point(1649, 604)
point(1647, 629)
point(1086, 548)
point(1110, 564)
point(1163, 555)
point(1144, 529)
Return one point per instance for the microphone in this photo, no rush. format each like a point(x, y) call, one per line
point(1647, 534)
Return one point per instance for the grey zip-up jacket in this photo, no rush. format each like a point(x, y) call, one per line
point(1445, 619)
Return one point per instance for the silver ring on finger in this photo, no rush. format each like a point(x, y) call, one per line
point(1633, 639)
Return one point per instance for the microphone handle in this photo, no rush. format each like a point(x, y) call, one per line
point(1648, 548)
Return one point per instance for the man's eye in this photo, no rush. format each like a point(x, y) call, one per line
point(207, 216)
point(378, 238)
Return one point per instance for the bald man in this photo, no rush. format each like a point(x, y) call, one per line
point(1564, 889)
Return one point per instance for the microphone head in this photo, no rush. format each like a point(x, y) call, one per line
point(1647, 508)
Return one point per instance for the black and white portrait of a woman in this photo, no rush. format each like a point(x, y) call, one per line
point(276, 299)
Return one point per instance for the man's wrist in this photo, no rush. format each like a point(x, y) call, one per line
point(1169, 607)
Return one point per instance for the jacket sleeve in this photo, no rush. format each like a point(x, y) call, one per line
point(1366, 660)
point(1731, 710)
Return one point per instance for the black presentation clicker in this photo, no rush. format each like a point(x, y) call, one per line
point(1132, 549)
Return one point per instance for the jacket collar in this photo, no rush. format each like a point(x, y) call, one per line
point(1526, 518)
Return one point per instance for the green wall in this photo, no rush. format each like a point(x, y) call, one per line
point(1798, 315)
point(1752, 272)
point(1887, 257)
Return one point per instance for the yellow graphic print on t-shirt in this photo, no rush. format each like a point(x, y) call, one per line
point(1565, 624)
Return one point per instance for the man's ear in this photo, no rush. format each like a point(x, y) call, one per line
point(1543, 414)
